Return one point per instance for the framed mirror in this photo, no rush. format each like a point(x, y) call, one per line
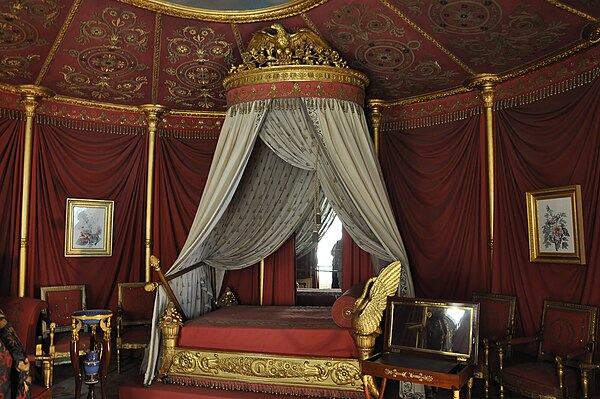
point(442, 328)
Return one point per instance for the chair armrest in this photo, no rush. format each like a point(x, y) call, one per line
point(509, 340)
point(579, 352)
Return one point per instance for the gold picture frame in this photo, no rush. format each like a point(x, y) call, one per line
point(555, 224)
point(89, 227)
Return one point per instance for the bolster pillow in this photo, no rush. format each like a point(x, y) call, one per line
point(341, 311)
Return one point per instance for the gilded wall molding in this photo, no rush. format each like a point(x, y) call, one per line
point(281, 11)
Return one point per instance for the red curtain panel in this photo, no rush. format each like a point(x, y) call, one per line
point(182, 166)
point(11, 176)
point(436, 181)
point(549, 143)
point(72, 163)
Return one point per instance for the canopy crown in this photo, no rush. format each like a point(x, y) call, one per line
point(303, 47)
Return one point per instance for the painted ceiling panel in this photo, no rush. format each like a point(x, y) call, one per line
point(27, 32)
point(133, 52)
point(195, 56)
point(105, 55)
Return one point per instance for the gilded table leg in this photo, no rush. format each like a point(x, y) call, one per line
point(470, 385)
point(456, 393)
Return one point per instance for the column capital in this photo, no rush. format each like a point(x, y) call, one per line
point(153, 113)
point(486, 83)
point(31, 95)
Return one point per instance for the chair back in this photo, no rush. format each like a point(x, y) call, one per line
point(136, 305)
point(566, 329)
point(62, 301)
point(496, 315)
point(25, 315)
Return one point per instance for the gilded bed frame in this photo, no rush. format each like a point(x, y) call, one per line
point(272, 373)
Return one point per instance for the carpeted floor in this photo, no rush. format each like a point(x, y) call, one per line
point(64, 382)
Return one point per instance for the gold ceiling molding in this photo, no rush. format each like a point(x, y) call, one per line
point(591, 36)
point(571, 10)
point(427, 36)
point(57, 42)
point(281, 11)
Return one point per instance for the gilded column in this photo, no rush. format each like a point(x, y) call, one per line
point(486, 83)
point(30, 98)
point(153, 113)
point(375, 106)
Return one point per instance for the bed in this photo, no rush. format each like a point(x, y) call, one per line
point(291, 350)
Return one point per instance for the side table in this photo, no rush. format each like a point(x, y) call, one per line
point(101, 345)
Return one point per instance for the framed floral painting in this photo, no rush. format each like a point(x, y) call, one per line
point(555, 225)
point(89, 226)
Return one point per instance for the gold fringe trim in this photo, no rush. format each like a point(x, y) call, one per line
point(553, 89)
point(90, 126)
point(431, 120)
point(6, 113)
point(189, 134)
point(287, 104)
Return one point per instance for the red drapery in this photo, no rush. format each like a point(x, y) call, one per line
point(436, 181)
point(11, 178)
point(69, 163)
point(279, 279)
point(182, 166)
point(357, 264)
point(549, 143)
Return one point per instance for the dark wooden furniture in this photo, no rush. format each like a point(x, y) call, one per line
point(566, 340)
point(427, 342)
point(496, 322)
point(134, 317)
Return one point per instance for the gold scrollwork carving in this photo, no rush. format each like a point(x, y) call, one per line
point(323, 372)
point(409, 375)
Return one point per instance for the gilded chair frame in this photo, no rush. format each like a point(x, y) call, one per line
point(483, 371)
point(573, 358)
point(123, 322)
point(50, 328)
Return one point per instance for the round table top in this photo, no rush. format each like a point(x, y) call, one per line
point(91, 316)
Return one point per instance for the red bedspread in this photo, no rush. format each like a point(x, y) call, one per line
point(282, 330)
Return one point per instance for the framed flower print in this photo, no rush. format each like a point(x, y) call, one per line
point(555, 225)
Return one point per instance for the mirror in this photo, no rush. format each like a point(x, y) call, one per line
point(447, 328)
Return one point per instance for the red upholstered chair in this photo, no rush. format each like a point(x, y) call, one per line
point(134, 317)
point(565, 341)
point(24, 314)
point(62, 301)
point(496, 322)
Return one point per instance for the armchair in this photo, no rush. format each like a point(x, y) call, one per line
point(496, 322)
point(19, 322)
point(134, 317)
point(565, 341)
point(56, 323)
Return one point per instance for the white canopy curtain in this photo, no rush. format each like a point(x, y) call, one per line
point(245, 216)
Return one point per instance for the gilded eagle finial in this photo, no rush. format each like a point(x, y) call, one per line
point(303, 47)
point(369, 307)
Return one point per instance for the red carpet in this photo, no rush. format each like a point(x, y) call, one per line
point(135, 390)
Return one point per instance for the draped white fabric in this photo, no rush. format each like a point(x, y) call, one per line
point(255, 198)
